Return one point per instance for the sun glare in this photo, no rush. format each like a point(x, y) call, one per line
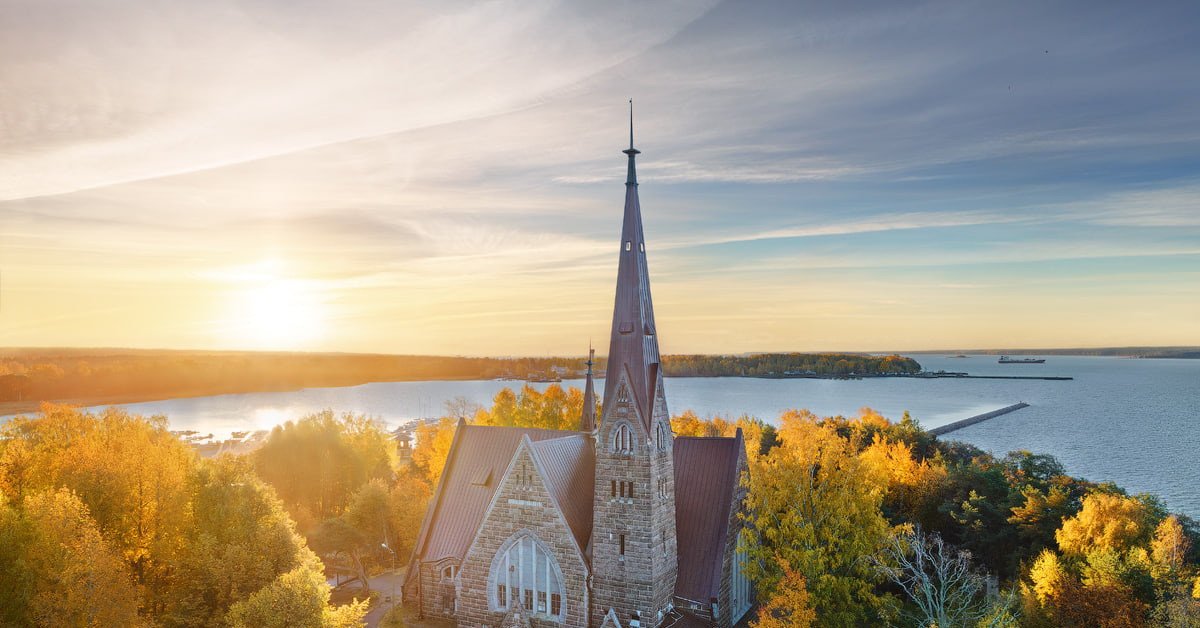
point(270, 312)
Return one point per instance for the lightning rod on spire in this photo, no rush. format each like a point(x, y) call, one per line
point(631, 123)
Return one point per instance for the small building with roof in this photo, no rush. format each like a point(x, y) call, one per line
point(617, 525)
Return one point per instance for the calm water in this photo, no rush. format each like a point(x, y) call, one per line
point(1135, 422)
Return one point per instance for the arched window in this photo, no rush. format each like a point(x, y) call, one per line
point(524, 573)
point(661, 437)
point(622, 439)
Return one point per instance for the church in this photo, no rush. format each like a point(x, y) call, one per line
point(617, 525)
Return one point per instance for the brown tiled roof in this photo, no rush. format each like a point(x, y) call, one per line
point(706, 478)
point(569, 467)
point(474, 468)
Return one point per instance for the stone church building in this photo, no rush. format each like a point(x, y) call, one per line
point(620, 524)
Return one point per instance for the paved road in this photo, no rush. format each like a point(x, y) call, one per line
point(383, 584)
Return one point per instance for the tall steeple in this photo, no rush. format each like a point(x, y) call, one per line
point(588, 421)
point(634, 546)
point(633, 347)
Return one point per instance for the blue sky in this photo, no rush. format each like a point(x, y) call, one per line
point(446, 177)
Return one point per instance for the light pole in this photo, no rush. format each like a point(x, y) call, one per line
point(393, 578)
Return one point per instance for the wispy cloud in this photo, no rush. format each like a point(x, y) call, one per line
point(240, 82)
point(422, 162)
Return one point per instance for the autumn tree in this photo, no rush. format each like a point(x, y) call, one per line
point(296, 599)
point(335, 537)
point(407, 500)
point(1112, 605)
point(16, 535)
point(238, 540)
point(108, 520)
point(789, 606)
point(553, 409)
point(1171, 544)
point(913, 489)
point(128, 470)
point(433, 447)
point(78, 580)
point(815, 503)
point(1106, 521)
point(757, 435)
point(316, 463)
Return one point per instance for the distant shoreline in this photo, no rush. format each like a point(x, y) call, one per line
point(1174, 353)
point(32, 407)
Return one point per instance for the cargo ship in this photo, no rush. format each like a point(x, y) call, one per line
point(1007, 360)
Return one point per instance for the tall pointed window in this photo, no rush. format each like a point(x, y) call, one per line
point(623, 439)
point(661, 437)
point(524, 573)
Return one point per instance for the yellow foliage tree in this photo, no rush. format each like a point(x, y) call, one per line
point(78, 580)
point(296, 599)
point(1170, 544)
point(816, 504)
point(1106, 521)
point(128, 470)
point(789, 606)
point(912, 487)
point(1047, 575)
point(688, 424)
point(433, 447)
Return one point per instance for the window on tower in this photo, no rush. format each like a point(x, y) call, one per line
point(623, 439)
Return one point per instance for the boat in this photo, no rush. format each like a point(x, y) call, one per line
point(1007, 360)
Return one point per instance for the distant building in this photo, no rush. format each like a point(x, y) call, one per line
point(617, 525)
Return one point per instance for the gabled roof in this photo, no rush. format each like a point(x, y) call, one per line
point(474, 469)
point(568, 466)
point(706, 481)
point(633, 345)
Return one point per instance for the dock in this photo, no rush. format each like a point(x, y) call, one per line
point(979, 418)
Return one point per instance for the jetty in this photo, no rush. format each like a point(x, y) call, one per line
point(979, 418)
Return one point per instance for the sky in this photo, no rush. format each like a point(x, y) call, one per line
point(446, 177)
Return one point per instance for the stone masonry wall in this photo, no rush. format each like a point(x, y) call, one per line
point(643, 579)
point(523, 506)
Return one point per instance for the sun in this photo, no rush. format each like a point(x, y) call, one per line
point(271, 312)
point(282, 314)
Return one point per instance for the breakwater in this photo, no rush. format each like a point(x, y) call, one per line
point(979, 418)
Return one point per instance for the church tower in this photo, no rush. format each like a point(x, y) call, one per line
point(634, 551)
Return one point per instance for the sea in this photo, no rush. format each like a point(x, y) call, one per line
point(1135, 422)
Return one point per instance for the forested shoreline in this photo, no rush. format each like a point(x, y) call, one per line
point(109, 376)
point(109, 515)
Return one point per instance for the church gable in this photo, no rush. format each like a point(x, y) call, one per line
point(623, 409)
point(475, 466)
point(525, 552)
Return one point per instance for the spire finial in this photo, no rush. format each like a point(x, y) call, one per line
point(631, 179)
point(631, 123)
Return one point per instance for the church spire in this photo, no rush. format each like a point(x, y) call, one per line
point(633, 348)
point(588, 422)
